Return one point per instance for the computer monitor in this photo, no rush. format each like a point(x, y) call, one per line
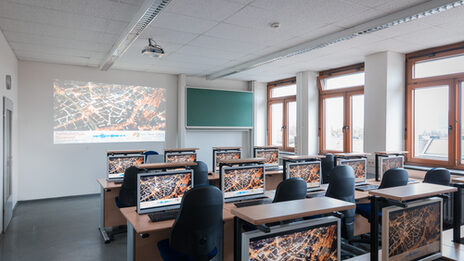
point(271, 156)
point(359, 167)
point(171, 157)
point(158, 191)
point(414, 232)
point(225, 155)
point(316, 239)
point(389, 162)
point(309, 171)
point(117, 165)
point(242, 182)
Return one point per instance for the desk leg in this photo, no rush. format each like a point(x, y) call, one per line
point(102, 229)
point(457, 215)
point(374, 229)
point(130, 242)
point(237, 239)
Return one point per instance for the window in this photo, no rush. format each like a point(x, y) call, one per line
point(281, 129)
point(435, 107)
point(342, 109)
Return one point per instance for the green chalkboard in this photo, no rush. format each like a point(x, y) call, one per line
point(217, 108)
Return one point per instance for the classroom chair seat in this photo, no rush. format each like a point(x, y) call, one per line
point(169, 254)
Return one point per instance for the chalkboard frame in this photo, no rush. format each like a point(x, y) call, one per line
point(245, 128)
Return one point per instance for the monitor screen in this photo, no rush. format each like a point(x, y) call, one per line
point(180, 157)
point(390, 162)
point(317, 239)
point(162, 190)
point(308, 171)
point(413, 232)
point(271, 156)
point(225, 155)
point(117, 165)
point(359, 167)
point(242, 181)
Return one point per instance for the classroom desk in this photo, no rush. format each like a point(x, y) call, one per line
point(401, 194)
point(273, 178)
point(458, 182)
point(143, 235)
point(261, 214)
point(110, 216)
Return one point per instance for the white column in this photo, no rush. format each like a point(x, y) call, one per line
point(181, 103)
point(307, 100)
point(259, 113)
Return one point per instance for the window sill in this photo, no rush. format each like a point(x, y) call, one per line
point(452, 171)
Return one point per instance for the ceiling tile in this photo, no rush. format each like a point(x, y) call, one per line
point(216, 10)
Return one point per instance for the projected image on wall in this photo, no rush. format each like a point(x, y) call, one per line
point(88, 112)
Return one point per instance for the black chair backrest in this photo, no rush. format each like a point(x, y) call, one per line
point(128, 193)
point(327, 164)
point(200, 174)
point(198, 228)
point(393, 178)
point(341, 186)
point(439, 176)
point(290, 189)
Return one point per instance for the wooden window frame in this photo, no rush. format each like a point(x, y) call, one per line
point(454, 110)
point(284, 100)
point(346, 93)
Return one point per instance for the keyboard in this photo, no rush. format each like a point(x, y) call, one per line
point(163, 215)
point(253, 203)
point(367, 187)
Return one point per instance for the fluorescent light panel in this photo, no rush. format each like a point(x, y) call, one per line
point(147, 13)
point(400, 17)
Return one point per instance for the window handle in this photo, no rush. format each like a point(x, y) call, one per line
point(450, 127)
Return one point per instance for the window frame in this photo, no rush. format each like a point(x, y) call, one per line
point(284, 100)
point(346, 93)
point(454, 105)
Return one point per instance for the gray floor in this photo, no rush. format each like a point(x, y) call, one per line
point(59, 229)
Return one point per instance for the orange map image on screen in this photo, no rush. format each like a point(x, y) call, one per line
point(308, 172)
point(119, 165)
point(272, 157)
point(390, 163)
point(318, 243)
point(172, 158)
point(243, 179)
point(359, 167)
point(88, 106)
point(226, 156)
point(164, 186)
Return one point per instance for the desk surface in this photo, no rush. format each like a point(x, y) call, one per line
point(182, 149)
point(239, 161)
point(412, 191)
point(227, 148)
point(108, 184)
point(165, 165)
point(142, 223)
point(303, 157)
point(455, 179)
point(262, 214)
point(265, 147)
point(391, 152)
point(352, 154)
point(124, 151)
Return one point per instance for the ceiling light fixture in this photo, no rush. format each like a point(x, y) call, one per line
point(147, 13)
point(400, 17)
point(275, 25)
point(153, 50)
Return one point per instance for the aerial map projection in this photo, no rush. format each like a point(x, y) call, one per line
point(188, 157)
point(118, 165)
point(159, 187)
point(88, 112)
point(271, 156)
point(317, 243)
point(359, 167)
point(309, 172)
point(226, 155)
point(414, 232)
point(390, 163)
point(243, 179)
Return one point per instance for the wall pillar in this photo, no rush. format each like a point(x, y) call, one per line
point(307, 100)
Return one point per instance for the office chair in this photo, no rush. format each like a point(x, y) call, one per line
point(128, 193)
point(197, 231)
point(147, 154)
point(341, 187)
point(391, 178)
point(290, 189)
point(200, 174)
point(439, 176)
point(327, 164)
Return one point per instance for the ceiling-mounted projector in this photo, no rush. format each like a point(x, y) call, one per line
point(153, 50)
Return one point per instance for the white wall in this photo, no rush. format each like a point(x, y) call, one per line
point(206, 139)
point(9, 65)
point(49, 170)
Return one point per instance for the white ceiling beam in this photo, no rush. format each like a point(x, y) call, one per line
point(146, 14)
point(402, 16)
